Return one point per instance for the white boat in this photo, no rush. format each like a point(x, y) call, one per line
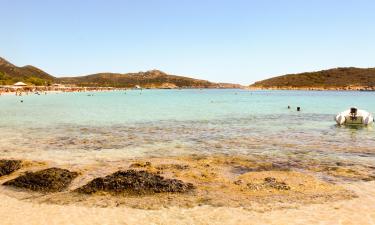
point(354, 116)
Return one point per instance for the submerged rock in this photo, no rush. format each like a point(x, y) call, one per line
point(239, 169)
point(48, 180)
point(135, 182)
point(9, 166)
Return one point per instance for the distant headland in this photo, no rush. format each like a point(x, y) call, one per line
point(30, 75)
point(348, 78)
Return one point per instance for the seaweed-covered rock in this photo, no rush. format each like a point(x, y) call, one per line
point(48, 180)
point(9, 166)
point(135, 182)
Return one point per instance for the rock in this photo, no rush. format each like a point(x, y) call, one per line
point(48, 180)
point(238, 182)
point(340, 164)
point(140, 165)
point(269, 182)
point(238, 169)
point(9, 166)
point(135, 182)
point(172, 166)
point(273, 183)
point(255, 187)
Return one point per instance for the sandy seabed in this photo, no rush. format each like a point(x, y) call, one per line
point(359, 210)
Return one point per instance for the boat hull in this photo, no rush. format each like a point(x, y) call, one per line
point(361, 118)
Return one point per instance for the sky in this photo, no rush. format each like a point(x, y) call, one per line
point(238, 41)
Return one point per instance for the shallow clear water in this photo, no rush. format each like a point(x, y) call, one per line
point(109, 126)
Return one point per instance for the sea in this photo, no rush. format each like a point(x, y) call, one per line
point(87, 127)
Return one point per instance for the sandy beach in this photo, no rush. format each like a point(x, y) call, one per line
point(228, 190)
point(360, 210)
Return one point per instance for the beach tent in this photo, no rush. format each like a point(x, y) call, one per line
point(20, 84)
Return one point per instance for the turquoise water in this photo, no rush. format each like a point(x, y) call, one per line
point(78, 127)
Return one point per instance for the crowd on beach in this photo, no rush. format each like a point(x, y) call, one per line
point(28, 90)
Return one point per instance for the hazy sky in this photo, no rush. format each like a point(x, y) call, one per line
point(227, 41)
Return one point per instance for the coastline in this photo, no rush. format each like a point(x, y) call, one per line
point(49, 89)
point(349, 88)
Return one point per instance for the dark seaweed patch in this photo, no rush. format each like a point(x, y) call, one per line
point(9, 166)
point(48, 180)
point(135, 182)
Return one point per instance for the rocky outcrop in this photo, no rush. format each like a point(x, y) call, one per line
point(135, 182)
point(48, 180)
point(9, 166)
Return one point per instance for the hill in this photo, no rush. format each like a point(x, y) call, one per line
point(149, 79)
point(9, 74)
point(348, 78)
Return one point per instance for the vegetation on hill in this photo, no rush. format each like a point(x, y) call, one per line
point(10, 74)
point(339, 78)
point(153, 78)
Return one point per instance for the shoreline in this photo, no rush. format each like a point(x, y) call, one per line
point(228, 203)
point(217, 180)
point(49, 90)
point(31, 89)
point(46, 89)
point(19, 212)
point(354, 88)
